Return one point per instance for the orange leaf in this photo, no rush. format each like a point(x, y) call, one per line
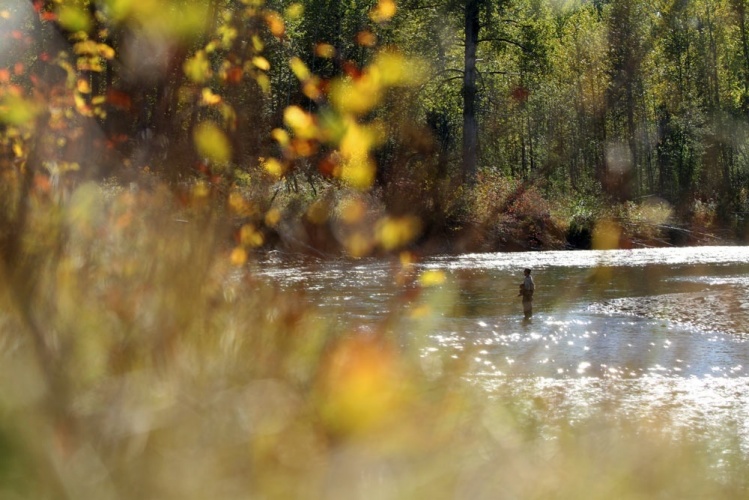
point(366, 39)
point(324, 50)
point(275, 24)
point(42, 184)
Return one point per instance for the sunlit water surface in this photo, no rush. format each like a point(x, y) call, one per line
point(649, 333)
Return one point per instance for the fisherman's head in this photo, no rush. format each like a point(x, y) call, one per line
point(527, 271)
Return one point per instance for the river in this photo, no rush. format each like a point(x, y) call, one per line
point(651, 333)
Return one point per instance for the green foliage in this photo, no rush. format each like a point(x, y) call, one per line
point(144, 354)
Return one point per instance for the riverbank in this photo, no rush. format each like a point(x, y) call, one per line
point(509, 234)
point(497, 216)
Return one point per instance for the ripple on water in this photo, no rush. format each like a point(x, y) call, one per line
point(605, 347)
point(639, 350)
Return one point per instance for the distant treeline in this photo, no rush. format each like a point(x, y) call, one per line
point(416, 102)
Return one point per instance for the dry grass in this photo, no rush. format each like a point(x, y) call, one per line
point(137, 362)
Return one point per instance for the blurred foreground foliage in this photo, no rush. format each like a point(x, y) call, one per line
point(138, 361)
point(147, 156)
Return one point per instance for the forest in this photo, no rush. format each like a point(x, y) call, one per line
point(446, 126)
point(160, 160)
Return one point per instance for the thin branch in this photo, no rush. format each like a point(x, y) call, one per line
point(515, 22)
point(506, 40)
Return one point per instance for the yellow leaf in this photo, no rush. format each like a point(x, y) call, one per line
point(301, 122)
point(69, 166)
point(228, 34)
point(299, 68)
point(432, 277)
point(273, 167)
point(212, 143)
point(396, 232)
point(209, 98)
point(88, 47)
point(357, 140)
point(89, 63)
point(261, 63)
point(238, 256)
point(263, 82)
point(362, 385)
point(239, 205)
point(198, 68)
point(200, 190)
point(83, 86)
point(295, 11)
point(280, 136)
point(358, 172)
point(105, 51)
point(358, 96)
point(250, 237)
point(393, 68)
point(211, 47)
point(383, 11)
point(324, 50)
point(81, 105)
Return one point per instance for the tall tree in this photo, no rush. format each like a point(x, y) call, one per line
point(627, 49)
point(470, 122)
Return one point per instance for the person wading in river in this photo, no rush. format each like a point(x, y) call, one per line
point(527, 287)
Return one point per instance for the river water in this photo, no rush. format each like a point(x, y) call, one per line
point(647, 333)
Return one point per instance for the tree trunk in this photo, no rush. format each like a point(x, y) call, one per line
point(470, 124)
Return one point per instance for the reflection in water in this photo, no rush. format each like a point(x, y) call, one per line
point(653, 333)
